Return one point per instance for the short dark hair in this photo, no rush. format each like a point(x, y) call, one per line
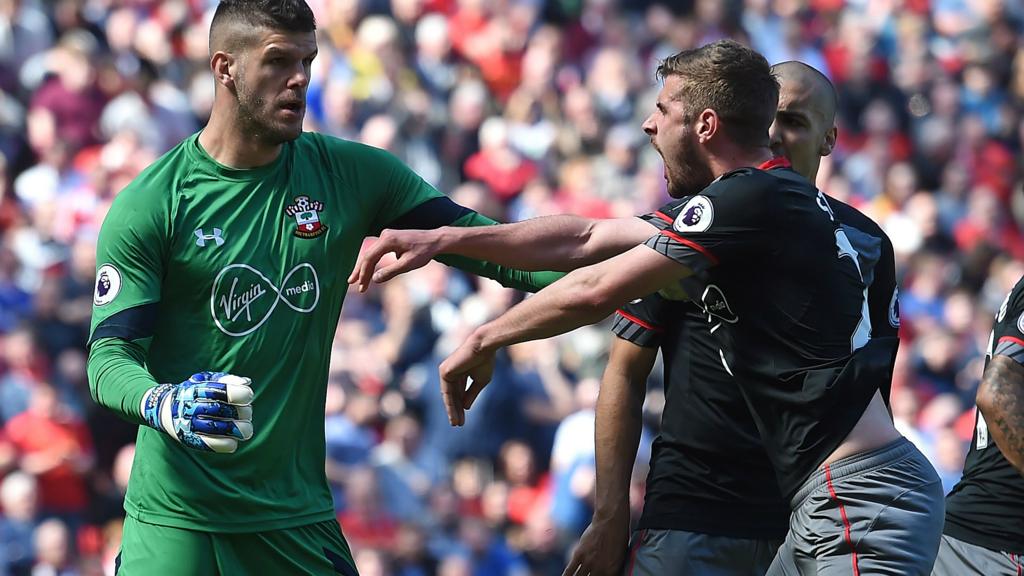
point(283, 15)
point(731, 79)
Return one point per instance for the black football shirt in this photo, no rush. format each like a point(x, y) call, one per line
point(784, 291)
point(986, 507)
point(709, 470)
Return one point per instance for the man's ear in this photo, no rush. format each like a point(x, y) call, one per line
point(224, 67)
point(830, 141)
point(708, 124)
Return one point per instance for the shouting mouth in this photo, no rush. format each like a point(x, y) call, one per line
point(292, 108)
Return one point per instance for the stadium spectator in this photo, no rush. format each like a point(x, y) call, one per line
point(56, 447)
point(19, 498)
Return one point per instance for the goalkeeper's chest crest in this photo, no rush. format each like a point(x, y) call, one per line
point(306, 212)
point(263, 278)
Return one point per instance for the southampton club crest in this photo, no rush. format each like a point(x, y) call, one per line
point(307, 217)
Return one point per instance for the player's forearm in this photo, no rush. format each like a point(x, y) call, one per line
point(528, 281)
point(118, 378)
point(583, 297)
point(1001, 401)
point(525, 280)
point(571, 302)
point(618, 427)
point(563, 242)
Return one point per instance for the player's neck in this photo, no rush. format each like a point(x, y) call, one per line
point(224, 142)
point(729, 158)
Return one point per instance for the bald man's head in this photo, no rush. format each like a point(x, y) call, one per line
point(804, 130)
point(238, 24)
point(807, 81)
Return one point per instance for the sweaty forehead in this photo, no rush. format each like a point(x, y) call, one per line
point(297, 42)
point(799, 97)
point(671, 88)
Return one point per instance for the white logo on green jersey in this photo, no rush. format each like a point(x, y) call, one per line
point(243, 298)
point(202, 239)
point(108, 285)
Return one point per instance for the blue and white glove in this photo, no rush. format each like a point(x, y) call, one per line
point(210, 412)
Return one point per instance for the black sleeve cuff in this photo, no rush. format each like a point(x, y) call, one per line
point(131, 324)
point(633, 330)
point(433, 213)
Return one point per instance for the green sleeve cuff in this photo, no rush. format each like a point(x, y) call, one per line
point(507, 277)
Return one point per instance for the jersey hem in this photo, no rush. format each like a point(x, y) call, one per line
point(985, 541)
point(248, 525)
point(684, 522)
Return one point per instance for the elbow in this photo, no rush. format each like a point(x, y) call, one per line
point(986, 400)
point(591, 294)
point(581, 250)
point(92, 372)
point(584, 241)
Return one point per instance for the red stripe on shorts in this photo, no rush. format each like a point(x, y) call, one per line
point(846, 521)
point(636, 548)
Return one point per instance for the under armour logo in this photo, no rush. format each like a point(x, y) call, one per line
point(201, 238)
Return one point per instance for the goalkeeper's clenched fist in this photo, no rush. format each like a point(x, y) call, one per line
point(210, 411)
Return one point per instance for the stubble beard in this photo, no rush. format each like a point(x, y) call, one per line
point(253, 121)
point(692, 173)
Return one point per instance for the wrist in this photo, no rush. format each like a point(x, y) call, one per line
point(443, 239)
point(612, 513)
point(483, 340)
point(152, 405)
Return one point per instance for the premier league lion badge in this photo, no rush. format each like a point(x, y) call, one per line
point(696, 215)
point(108, 285)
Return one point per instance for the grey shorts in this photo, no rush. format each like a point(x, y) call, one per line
point(677, 552)
point(879, 512)
point(959, 558)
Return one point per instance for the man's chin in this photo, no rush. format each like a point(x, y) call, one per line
point(285, 134)
point(680, 190)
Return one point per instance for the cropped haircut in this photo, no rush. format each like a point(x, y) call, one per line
point(236, 22)
point(731, 79)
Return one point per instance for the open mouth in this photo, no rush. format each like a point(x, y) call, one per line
point(292, 106)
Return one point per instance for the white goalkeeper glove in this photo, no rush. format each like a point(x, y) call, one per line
point(210, 412)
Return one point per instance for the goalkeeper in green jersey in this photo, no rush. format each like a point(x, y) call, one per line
point(220, 277)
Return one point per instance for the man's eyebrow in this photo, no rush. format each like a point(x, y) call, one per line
point(276, 50)
point(794, 113)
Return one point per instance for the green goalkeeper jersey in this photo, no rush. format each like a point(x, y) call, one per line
point(206, 267)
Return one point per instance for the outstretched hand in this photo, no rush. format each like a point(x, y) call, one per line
point(602, 550)
point(413, 248)
point(468, 365)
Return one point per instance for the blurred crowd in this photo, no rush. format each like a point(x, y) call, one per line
point(516, 108)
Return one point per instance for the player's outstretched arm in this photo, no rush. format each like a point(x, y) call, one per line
point(526, 280)
point(406, 202)
point(1001, 401)
point(583, 297)
point(603, 546)
point(210, 412)
point(560, 243)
